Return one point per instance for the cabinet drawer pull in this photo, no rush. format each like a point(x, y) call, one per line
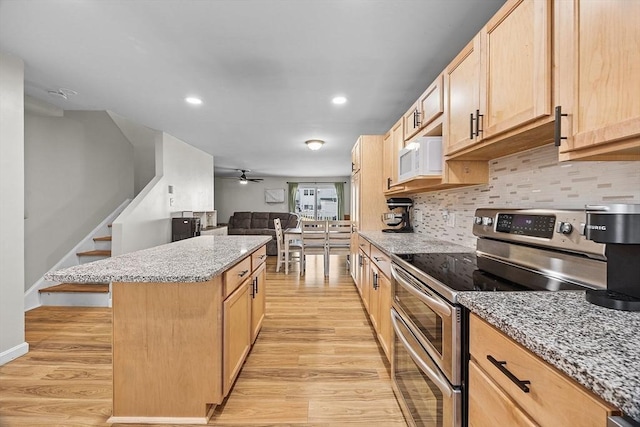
point(378, 259)
point(500, 365)
point(263, 256)
point(242, 273)
point(557, 127)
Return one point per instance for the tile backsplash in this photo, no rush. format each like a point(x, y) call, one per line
point(532, 179)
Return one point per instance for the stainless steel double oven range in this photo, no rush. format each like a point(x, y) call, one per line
point(517, 250)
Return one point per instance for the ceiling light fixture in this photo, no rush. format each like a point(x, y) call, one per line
point(314, 144)
point(244, 181)
point(193, 100)
point(62, 93)
point(339, 100)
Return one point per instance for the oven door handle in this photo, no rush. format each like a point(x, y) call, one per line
point(434, 376)
point(436, 304)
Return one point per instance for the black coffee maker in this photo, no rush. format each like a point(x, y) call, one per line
point(618, 226)
point(399, 220)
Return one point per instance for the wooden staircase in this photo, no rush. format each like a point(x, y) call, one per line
point(82, 294)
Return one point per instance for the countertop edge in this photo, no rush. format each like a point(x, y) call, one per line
point(71, 277)
point(551, 356)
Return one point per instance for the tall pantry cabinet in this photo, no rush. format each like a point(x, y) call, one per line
point(367, 200)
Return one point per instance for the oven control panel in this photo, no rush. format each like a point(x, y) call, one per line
point(560, 229)
point(526, 225)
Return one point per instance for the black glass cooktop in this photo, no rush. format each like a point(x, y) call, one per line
point(467, 272)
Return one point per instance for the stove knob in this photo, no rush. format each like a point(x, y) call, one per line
point(477, 220)
point(566, 227)
point(487, 220)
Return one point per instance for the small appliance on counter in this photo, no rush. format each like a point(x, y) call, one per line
point(184, 228)
point(618, 226)
point(399, 220)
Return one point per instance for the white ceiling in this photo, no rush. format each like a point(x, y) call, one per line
point(266, 69)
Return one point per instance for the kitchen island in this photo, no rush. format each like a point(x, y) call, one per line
point(184, 317)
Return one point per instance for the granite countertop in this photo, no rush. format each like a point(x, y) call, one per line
point(411, 243)
point(197, 259)
point(598, 347)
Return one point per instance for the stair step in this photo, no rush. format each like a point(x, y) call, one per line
point(78, 287)
point(95, 253)
point(102, 239)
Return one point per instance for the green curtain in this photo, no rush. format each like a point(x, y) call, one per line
point(293, 189)
point(340, 193)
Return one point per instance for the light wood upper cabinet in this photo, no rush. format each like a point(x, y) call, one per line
point(498, 90)
point(516, 67)
point(425, 110)
point(598, 59)
point(393, 142)
point(462, 98)
point(356, 155)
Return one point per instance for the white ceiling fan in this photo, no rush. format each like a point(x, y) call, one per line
point(243, 177)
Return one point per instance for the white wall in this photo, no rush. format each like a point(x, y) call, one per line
point(146, 221)
point(533, 179)
point(78, 169)
point(143, 140)
point(231, 196)
point(12, 343)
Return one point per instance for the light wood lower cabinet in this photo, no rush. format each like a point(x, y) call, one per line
point(376, 292)
point(258, 301)
point(489, 406)
point(237, 332)
point(509, 385)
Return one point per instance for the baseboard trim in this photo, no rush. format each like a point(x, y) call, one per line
point(158, 420)
point(13, 353)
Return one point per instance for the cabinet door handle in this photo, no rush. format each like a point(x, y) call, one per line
point(388, 183)
point(353, 166)
point(478, 115)
point(257, 288)
point(416, 118)
point(243, 273)
point(500, 365)
point(557, 127)
point(253, 288)
point(375, 281)
point(471, 134)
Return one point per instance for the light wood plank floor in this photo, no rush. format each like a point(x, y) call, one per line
point(315, 363)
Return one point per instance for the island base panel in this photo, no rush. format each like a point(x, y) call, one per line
point(167, 355)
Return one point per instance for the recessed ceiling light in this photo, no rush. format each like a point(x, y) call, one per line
point(339, 100)
point(193, 100)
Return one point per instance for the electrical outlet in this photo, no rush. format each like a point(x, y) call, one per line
point(417, 215)
point(170, 201)
point(451, 219)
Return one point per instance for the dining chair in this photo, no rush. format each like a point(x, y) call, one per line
point(314, 242)
point(295, 246)
point(339, 238)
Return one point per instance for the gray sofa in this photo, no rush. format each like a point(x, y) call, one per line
point(261, 223)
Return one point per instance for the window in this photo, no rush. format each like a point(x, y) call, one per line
point(319, 201)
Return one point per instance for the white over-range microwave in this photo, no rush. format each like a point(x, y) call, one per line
point(421, 157)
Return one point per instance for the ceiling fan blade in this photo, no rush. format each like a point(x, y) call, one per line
point(255, 179)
